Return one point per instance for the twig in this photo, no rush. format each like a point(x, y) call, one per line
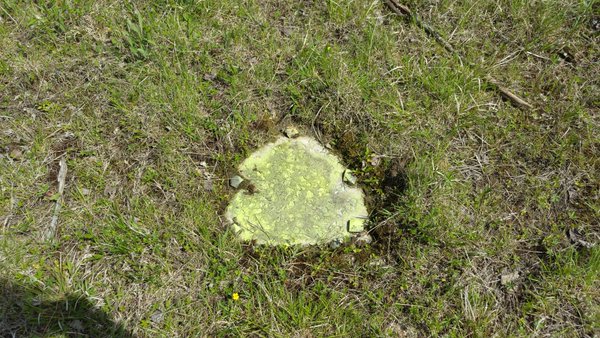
point(507, 93)
point(383, 222)
point(62, 175)
point(539, 56)
point(404, 11)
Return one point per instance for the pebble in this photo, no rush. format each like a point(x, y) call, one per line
point(291, 132)
point(356, 225)
point(348, 177)
point(336, 243)
point(235, 181)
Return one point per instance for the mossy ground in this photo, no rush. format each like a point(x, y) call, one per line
point(155, 103)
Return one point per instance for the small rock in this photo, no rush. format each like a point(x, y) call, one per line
point(36, 301)
point(235, 181)
point(85, 191)
point(348, 177)
point(336, 243)
point(364, 239)
point(157, 317)
point(509, 278)
point(356, 225)
point(291, 132)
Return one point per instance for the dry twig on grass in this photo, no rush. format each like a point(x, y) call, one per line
point(404, 11)
point(62, 176)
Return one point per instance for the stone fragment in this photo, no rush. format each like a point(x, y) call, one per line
point(291, 132)
point(356, 225)
point(336, 243)
point(349, 177)
point(235, 181)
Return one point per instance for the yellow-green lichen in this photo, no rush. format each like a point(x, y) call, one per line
point(298, 196)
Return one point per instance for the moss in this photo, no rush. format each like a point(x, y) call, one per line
point(299, 196)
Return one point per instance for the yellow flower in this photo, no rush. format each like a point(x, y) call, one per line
point(235, 296)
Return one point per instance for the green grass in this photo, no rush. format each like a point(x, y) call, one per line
point(462, 187)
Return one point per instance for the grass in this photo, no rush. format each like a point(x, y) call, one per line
point(155, 103)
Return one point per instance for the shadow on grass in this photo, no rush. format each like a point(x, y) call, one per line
point(27, 313)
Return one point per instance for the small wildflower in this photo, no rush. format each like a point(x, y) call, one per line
point(235, 296)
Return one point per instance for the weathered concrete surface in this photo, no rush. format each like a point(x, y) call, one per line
point(298, 197)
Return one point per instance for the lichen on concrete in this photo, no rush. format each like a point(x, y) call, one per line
point(298, 196)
